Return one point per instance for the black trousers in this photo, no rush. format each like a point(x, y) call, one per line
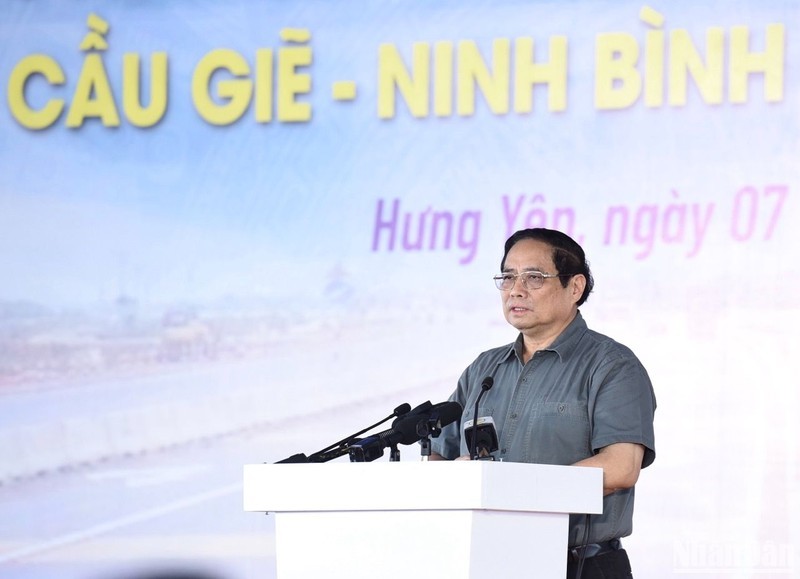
point(611, 565)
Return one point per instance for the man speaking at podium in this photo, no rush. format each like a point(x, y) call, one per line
point(562, 394)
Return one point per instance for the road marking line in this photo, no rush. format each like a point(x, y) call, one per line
point(106, 527)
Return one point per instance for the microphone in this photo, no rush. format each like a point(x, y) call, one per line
point(418, 410)
point(403, 409)
point(482, 437)
point(440, 416)
point(445, 413)
point(330, 452)
point(327, 455)
point(370, 448)
point(486, 385)
point(407, 429)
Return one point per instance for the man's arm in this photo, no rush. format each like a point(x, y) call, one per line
point(621, 464)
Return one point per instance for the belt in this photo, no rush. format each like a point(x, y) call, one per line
point(595, 549)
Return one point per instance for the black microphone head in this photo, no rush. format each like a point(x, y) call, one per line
point(367, 450)
point(405, 429)
point(487, 383)
point(421, 408)
point(404, 408)
point(440, 416)
point(417, 411)
point(447, 412)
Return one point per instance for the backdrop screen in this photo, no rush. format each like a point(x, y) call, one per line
point(233, 231)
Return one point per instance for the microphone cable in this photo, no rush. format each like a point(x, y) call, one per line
point(584, 544)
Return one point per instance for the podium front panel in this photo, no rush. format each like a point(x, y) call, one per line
point(398, 544)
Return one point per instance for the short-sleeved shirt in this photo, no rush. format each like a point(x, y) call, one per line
point(583, 393)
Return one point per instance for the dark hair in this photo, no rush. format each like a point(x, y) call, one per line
point(568, 256)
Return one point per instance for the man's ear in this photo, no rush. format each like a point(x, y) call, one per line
point(577, 283)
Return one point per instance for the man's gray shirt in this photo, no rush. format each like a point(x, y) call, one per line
point(584, 392)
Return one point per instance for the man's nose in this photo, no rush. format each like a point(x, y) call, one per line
point(518, 288)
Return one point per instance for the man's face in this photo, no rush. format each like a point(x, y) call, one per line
point(544, 310)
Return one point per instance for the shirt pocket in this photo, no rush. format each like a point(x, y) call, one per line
point(558, 433)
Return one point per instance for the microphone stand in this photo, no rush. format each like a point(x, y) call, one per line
point(425, 451)
point(427, 429)
point(330, 452)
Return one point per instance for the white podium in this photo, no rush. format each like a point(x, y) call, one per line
point(452, 520)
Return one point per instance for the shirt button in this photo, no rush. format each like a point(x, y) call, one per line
point(514, 416)
point(503, 451)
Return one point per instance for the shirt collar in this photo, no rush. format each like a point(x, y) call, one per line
point(563, 345)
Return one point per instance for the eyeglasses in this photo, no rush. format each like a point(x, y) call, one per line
point(531, 280)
